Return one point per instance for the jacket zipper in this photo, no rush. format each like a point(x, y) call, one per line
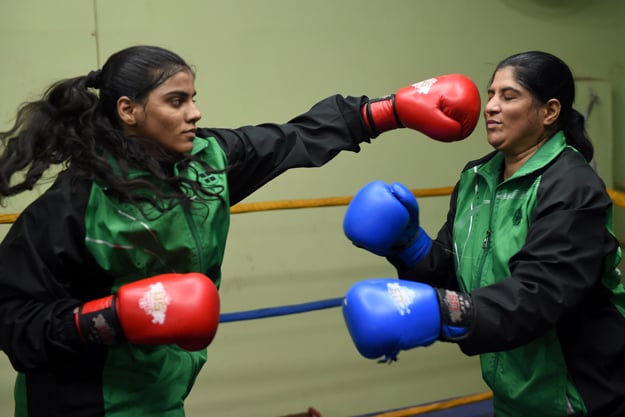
point(486, 241)
point(485, 248)
point(487, 236)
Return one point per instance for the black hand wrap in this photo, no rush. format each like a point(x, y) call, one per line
point(456, 314)
point(101, 326)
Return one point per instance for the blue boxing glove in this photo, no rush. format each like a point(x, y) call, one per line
point(384, 219)
point(385, 316)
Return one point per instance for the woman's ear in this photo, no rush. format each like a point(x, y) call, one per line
point(127, 111)
point(552, 111)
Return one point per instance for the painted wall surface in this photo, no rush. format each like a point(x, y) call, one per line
point(269, 60)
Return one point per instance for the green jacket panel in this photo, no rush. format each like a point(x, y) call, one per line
point(132, 243)
point(498, 215)
point(180, 240)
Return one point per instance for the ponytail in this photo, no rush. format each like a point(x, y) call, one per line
point(574, 127)
point(56, 129)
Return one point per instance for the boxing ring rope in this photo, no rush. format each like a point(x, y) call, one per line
point(434, 407)
point(437, 406)
point(291, 204)
point(324, 202)
point(280, 311)
point(618, 199)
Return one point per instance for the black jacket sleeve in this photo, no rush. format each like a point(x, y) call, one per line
point(258, 154)
point(45, 273)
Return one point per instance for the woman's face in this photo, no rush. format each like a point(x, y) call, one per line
point(168, 115)
point(514, 120)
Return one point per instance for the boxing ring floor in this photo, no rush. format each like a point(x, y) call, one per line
point(474, 405)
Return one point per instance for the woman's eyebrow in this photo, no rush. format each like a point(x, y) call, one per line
point(504, 90)
point(181, 93)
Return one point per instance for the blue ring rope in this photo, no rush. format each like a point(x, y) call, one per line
point(280, 311)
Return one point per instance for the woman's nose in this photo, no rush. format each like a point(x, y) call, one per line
point(194, 113)
point(492, 106)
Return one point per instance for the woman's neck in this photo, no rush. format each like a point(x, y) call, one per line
point(514, 161)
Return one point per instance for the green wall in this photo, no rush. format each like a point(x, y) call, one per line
point(269, 60)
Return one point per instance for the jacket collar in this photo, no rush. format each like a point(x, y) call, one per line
point(543, 156)
point(198, 146)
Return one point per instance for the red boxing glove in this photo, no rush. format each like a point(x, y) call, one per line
point(445, 108)
point(181, 309)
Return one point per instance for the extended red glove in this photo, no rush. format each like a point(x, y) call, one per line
point(445, 108)
point(180, 309)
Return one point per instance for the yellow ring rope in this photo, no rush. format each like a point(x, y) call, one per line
point(617, 197)
point(322, 202)
point(441, 405)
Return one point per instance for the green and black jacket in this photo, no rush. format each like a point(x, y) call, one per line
point(538, 256)
point(77, 243)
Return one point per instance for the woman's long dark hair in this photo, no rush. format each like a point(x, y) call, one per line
point(74, 126)
point(547, 76)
